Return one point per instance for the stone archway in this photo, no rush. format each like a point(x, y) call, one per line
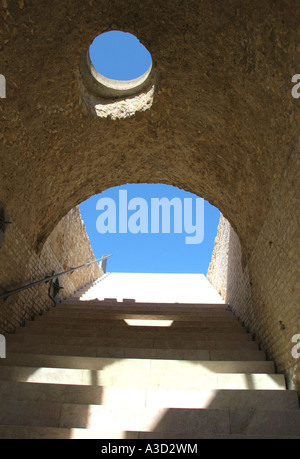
point(221, 114)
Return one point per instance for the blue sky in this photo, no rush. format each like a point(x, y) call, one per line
point(121, 56)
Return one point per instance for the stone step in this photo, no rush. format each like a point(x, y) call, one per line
point(161, 322)
point(182, 420)
point(139, 314)
point(133, 306)
point(175, 342)
point(224, 399)
point(57, 433)
point(62, 393)
point(73, 322)
point(160, 398)
point(131, 373)
point(159, 332)
point(156, 420)
point(97, 363)
point(135, 352)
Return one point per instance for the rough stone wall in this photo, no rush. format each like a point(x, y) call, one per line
point(68, 246)
point(265, 292)
point(226, 272)
point(217, 272)
point(222, 123)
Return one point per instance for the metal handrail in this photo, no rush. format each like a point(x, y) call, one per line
point(46, 279)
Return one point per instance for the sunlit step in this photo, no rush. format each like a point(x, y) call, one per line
point(157, 420)
point(116, 396)
point(182, 420)
point(51, 392)
point(97, 363)
point(126, 374)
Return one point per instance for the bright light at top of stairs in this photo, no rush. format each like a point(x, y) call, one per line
point(154, 287)
point(148, 323)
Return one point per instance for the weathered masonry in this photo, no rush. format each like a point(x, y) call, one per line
point(221, 123)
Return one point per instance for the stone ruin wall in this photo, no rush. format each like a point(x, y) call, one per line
point(68, 246)
point(264, 291)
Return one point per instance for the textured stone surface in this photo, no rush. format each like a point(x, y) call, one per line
point(67, 246)
point(223, 124)
point(266, 297)
point(166, 397)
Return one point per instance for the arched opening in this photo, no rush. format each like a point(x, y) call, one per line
point(117, 76)
point(161, 238)
point(152, 228)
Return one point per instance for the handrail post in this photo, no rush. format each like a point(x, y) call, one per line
point(103, 264)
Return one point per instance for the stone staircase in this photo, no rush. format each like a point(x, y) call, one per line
point(121, 370)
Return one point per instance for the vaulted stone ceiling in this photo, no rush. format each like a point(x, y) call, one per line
point(222, 125)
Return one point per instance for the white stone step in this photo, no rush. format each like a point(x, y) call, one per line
point(96, 370)
point(85, 373)
point(140, 314)
point(193, 366)
point(62, 393)
point(94, 324)
point(25, 432)
point(96, 363)
point(135, 352)
point(156, 420)
point(116, 396)
point(58, 433)
point(183, 420)
point(223, 399)
point(131, 373)
point(136, 327)
point(174, 342)
point(142, 332)
point(133, 306)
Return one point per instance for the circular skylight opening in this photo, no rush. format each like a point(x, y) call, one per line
point(116, 77)
point(118, 60)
